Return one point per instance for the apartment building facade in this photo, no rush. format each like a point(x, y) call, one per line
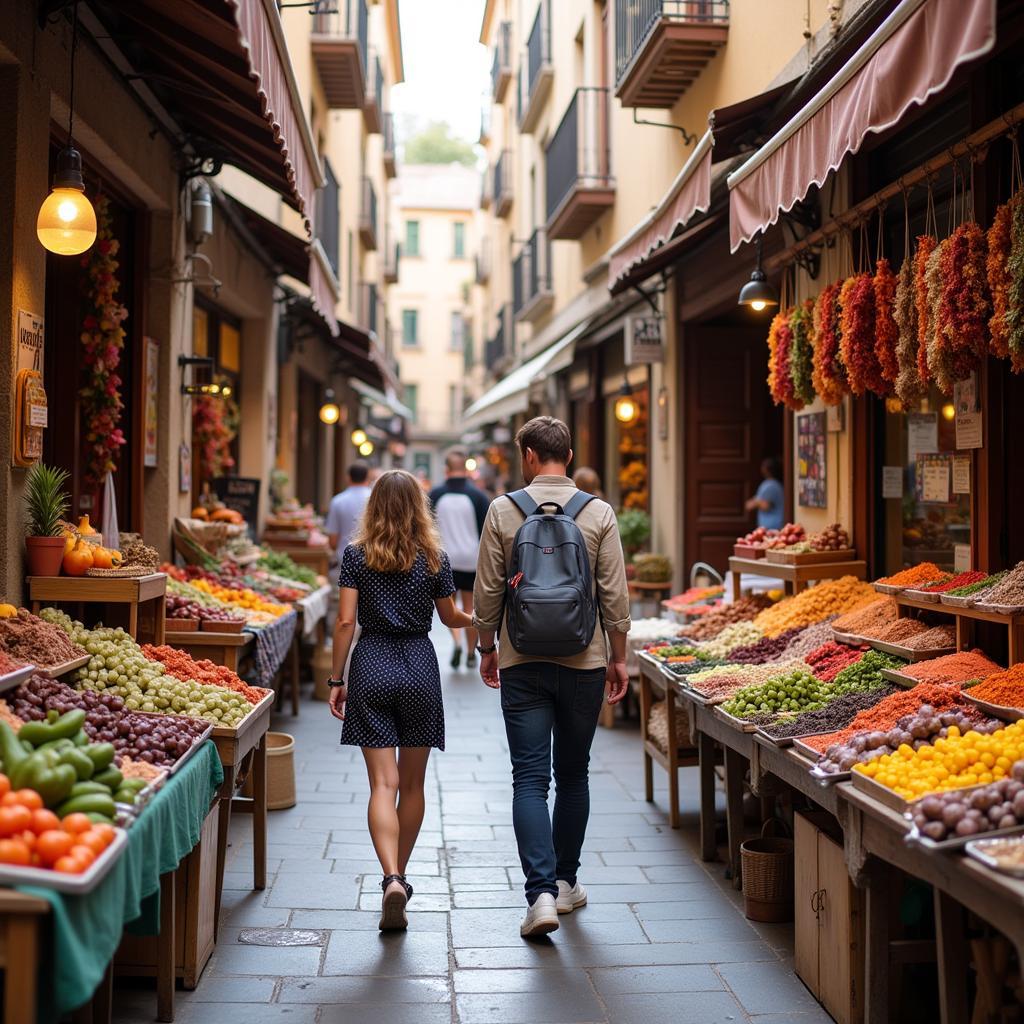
point(598, 138)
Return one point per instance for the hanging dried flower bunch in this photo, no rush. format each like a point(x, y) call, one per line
point(925, 247)
point(829, 372)
point(886, 330)
point(938, 356)
point(1015, 298)
point(909, 388)
point(997, 265)
point(857, 344)
point(801, 353)
point(780, 338)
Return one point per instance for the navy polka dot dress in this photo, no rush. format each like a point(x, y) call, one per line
point(394, 686)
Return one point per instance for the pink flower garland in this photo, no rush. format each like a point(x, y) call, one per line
point(102, 340)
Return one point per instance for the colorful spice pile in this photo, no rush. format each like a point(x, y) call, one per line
point(738, 611)
point(915, 576)
point(814, 604)
point(874, 616)
point(739, 634)
point(962, 667)
point(8, 664)
point(976, 590)
point(866, 672)
point(35, 642)
point(810, 639)
point(1003, 688)
point(900, 631)
point(933, 639)
point(766, 649)
point(1009, 590)
point(886, 713)
point(8, 716)
point(834, 715)
point(964, 579)
point(180, 665)
point(830, 659)
point(721, 683)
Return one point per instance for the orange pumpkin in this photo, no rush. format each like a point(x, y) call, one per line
point(101, 558)
point(84, 528)
point(79, 559)
point(224, 515)
point(200, 513)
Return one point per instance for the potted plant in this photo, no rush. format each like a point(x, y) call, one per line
point(634, 532)
point(46, 504)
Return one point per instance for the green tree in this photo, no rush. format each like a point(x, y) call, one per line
point(435, 144)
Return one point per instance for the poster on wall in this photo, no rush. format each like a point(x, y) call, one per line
point(934, 477)
point(812, 491)
point(151, 397)
point(31, 332)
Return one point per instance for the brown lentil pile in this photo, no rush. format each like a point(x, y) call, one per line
point(900, 630)
point(35, 642)
point(737, 611)
point(932, 639)
point(836, 714)
point(1009, 590)
point(875, 616)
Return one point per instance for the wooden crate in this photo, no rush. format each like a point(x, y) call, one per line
point(829, 920)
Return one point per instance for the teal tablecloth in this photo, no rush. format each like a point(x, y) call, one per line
point(84, 931)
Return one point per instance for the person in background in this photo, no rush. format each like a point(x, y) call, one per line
point(460, 508)
point(347, 507)
point(769, 501)
point(586, 479)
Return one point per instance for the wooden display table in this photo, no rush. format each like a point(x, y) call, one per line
point(221, 648)
point(244, 751)
point(796, 577)
point(137, 604)
point(965, 619)
point(21, 919)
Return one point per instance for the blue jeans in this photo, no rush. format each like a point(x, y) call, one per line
point(541, 700)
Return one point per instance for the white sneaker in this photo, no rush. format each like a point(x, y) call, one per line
point(570, 897)
point(541, 918)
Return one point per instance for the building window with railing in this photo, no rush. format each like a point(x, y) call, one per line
point(410, 397)
point(459, 240)
point(410, 328)
point(328, 217)
point(412, 238)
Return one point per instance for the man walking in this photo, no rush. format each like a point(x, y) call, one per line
point(460, 508)
point(346, 508)
point(551, 695)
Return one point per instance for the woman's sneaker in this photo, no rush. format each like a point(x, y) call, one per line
point(570, 897)
point(541, 918)
point(456, 657)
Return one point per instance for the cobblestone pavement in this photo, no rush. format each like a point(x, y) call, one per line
point(663, 939)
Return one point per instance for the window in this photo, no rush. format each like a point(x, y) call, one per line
point(410, 396)
point(410, 328)
point(454, 410)
point(328, 217)
point(412, 238)
point(458, 332)
point(459, 240)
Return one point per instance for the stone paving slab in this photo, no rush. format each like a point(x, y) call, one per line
point(662, 939)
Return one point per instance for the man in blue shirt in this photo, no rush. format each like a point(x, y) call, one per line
point(347, 507)
point(770, 497)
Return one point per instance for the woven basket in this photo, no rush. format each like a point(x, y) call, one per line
point(126, 572)
point(280, 772)
point(767, 871)
point(657, 726)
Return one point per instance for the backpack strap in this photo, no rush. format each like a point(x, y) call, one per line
point(523, 502)
point(575, 505)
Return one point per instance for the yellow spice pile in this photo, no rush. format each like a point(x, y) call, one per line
point(833, 597)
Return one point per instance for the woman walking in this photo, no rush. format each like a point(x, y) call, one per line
point(393, 575)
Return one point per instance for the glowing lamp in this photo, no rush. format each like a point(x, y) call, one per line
point(66, 224)
point(626, 409)
point(330, 411)
point(757, 293)
point(948, 411)
point(471, 465)
point(359, 437)
point(366, 448)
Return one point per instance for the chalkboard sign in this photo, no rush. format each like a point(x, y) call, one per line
point(243, 495)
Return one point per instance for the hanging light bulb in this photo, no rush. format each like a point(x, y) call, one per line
point(330, 411)
point(471, 465)
point(366, 449)
point(626, 409)
point(949, 411)
point(226, 390)
point(66, 224)
point(358, 436)
point(757, 293)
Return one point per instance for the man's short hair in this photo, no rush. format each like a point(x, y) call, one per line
point(358, 472)
point(548, 437)
point(455, 461)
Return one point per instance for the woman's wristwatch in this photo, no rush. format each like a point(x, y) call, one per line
point(487, 650)
point(332, 682)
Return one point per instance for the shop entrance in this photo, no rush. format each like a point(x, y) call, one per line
point(307, 467)
point(729, 426)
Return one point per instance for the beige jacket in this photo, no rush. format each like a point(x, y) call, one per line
point(600, 531)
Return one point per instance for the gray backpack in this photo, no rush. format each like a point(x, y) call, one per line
point(549, 595)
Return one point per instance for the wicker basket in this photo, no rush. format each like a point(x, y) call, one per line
point(280, 772)
point(657, 726)
point(767, 871)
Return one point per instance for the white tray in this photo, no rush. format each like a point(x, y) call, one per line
point(16, 678)
point(976, 848)
point(915, 838)
point(11, 874)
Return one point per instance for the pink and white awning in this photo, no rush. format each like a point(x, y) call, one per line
point(911, 56)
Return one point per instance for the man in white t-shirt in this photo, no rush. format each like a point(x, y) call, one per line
point(347, 507)
point(460, 508)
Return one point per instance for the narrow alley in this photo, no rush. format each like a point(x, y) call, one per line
point(662, 940)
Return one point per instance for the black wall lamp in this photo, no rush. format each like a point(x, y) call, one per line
point(757, 293)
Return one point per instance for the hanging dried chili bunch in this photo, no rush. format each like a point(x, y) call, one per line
point(801, 353)
point(857, 345)
point(829, 375)
point(997, 265)
point(780, 340)
point(1015, 298)
point(909, 388)
point(886, 330)
point(926, 245)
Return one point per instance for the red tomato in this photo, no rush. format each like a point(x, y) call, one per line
point(14, 819)
point(44, 820)
point(75, 823)
point(54, 844)
point(14, 851)
point(70, 865)
point(83, 853)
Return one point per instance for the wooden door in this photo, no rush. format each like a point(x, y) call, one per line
point(841, 936)
point(805, 888)
point(730, 426)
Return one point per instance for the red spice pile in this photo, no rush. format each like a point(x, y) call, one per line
point(180, 665)
point(965, 579)
point(830, 659)
point(957, 668)
point(1003, 688)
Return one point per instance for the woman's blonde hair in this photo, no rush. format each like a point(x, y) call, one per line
point(396, 525)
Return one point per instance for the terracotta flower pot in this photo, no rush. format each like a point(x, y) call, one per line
point(45, 555)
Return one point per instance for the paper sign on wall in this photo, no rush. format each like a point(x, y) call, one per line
point(31, 332)
point(968, 430)
point(961, 557)
point(922, 434)
point(892, 481)
point(961, 474)
point(933, 476)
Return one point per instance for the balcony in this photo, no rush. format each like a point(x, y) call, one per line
point(388, 155)
point(482, 262)
point(328, 219)
point(503, 184)
point(661, 46)
point(392, 254)
point(532, 295)
point(536, 71)
point(579, 185)
point(368, 215)
point(373, 105)
point(501, 65)
point(499, 348)
point(338, 44)
point(368, 307)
